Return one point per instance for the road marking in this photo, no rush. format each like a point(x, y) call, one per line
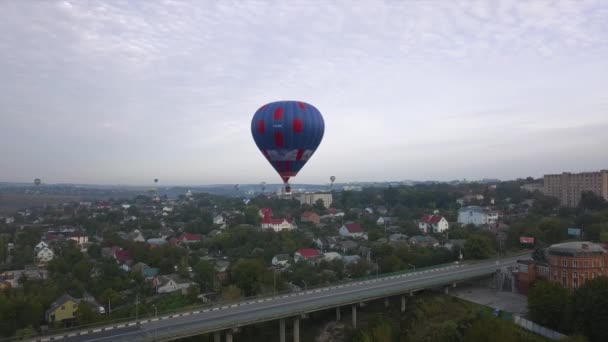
point(215, 309)
point(120, 326)
point(206, 310)
point(131, 324)
point(71, 335)
point(233, 305)
point(109, 328)
point(96, 330)
point(154, 320)
point(84, 332)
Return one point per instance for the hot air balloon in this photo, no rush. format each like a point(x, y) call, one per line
point(263, 185)
point(37, 181)
point(287, 133)
point(155, 180)
point(236, 187)
point(332, 179)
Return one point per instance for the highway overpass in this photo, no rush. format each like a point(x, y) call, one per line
point(229, 317)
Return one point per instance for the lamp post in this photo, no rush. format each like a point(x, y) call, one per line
point(377, 266)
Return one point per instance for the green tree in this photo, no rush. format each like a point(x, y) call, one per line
point(231, 292)
point(319, 205)
point(547, 304)
point(588, 310)
point(478, 246)
point(204, 273)
point(86, 313)
point(248, 275)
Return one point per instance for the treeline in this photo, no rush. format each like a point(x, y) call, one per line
point(580, 311)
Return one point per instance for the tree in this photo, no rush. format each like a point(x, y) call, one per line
point(319, 205)
point(588, 309)
point(204, 273)
point(248, 275)
point(478, 246)
point(591, 201)
point(547, 304)
point(86, 313)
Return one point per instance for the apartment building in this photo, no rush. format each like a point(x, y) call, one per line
point(568, 187)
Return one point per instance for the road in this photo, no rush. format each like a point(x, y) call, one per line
point(283, 306)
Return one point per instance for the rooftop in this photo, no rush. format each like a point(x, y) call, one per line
point(576, 248)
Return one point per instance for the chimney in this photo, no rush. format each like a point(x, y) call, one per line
point(585, 246)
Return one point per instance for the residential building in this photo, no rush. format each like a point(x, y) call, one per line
point(353, 230)
point(123, 256)
point(281, 260)
point(170, 283)
point(264, 212)
point(62, 309)
point(477, 216)
point(136, 236)
point(325, 243)
point(219, 220)
point(40, 246)
point(308, 254)
point(330, 256)
point(277, 224)
point(45, 255)
point(79, 237)
point(156, 242)
point(190, 238)
point(433, 224)
point(145, 271)
point(311, 199)
point(310, 216)
point(423, 241)
point(573, 263)
point(533, 187)
point(568, 187)
point(386, 221)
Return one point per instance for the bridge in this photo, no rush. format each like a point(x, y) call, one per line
point(228, 318)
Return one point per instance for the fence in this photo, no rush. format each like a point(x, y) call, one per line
point(538, 329)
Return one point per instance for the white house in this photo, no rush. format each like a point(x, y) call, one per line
point(476, 215)
point(170, 283)
point(277, 224)
point(329, 256)
point(352, 230)
point(219, 220)
point(281, 260)
point(40, 246)
point(433, 224)
point(45, 255)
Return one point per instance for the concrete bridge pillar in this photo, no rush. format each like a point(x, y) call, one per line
point(296, 329)
point(282, 329)
point(217, 336)
point(402, 303)
point(446, 290)
point(337, 313)
point(354, 308)
point(386, 303)
point(228, 336)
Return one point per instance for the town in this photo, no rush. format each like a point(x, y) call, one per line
point(87, 262)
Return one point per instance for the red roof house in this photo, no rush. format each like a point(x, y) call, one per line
point(310, 216)
point(352, 230)
point(190, 238)
point(306, 254)
point(433, 223)
point(123, 256)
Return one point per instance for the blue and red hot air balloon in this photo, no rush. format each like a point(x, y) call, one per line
point(287, 133)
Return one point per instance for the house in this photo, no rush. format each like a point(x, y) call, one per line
point(64, 308)
point(308, 254)
point(349, 259)
point(265, 212)
point(123, 256)
point(385, 221)
point(310, 216)
point(454, 244)
point(433, 224)
point(145, 271)
point(397, 237)
point(79, 237)
point(476, 216)
point(423, 241)
point(348, 245)
point(281, 260)
point(156, 242)
point(40, 246)
point(45, 255)
point(222, 265)
point(352, 230)
point(330, 256)
point(325, 243)
point(219, 220)
point(277, 224)
point(136, 236)
point(170, 283)
point(190, 238)
point(381, 210)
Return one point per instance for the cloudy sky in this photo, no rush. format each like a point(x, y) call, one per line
point(120, 92)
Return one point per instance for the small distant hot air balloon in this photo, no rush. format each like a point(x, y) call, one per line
point(332, 179)
point(37, 181)
point(263, 185)
point(155, 180)
point(287, 133)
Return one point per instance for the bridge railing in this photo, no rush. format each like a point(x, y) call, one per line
point(223, 303)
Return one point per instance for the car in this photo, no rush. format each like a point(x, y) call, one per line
point(101, 310)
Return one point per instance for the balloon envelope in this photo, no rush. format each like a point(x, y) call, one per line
point(332, 178)
point(37, 181)
point(155, 180)
point(287, 133)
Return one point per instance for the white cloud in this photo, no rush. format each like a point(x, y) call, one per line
point(178, 81)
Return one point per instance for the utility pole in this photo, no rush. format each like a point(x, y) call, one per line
point(136, 307)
